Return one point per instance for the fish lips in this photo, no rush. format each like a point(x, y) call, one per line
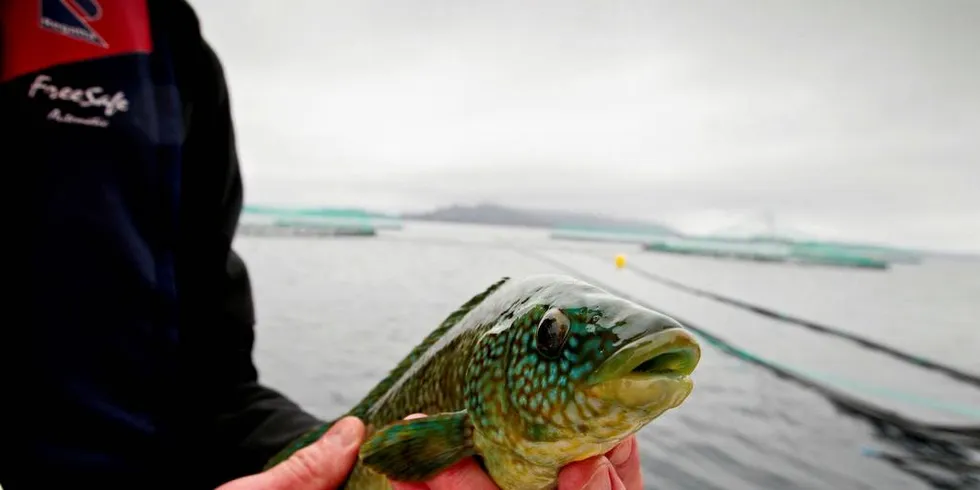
point(650, 369)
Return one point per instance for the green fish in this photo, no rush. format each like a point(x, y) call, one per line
point(527, 376)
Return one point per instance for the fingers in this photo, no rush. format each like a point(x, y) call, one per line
point(464, 474)
point(399, 485)
point(595, 473)
point(625, 458)
point(321, 465)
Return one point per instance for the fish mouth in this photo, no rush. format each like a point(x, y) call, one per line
point(651, 369)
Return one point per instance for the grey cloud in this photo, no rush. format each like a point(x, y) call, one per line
point(857, 118)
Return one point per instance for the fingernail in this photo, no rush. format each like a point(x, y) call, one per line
point(621, 453)
point(601, 479)
point(344, 432)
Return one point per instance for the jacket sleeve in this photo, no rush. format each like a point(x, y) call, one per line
point(234, 424)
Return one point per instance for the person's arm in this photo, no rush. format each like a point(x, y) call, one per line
point(234, 424)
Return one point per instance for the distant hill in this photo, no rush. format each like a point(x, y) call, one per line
point(492, 214)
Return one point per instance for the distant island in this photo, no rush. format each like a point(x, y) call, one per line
point(493, 214)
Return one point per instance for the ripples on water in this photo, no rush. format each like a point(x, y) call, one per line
point(336, 315)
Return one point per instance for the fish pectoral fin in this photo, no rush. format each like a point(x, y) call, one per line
point(419, 449)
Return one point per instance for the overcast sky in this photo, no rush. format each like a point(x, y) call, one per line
point(845, 119)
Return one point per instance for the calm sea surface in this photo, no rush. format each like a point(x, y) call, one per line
point(336, 314)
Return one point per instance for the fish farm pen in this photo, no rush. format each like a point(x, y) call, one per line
point(318, 222)
point(300, 229)
point(765, 251)
point(618, 235)
point(755, 249)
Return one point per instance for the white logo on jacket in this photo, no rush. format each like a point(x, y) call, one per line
point(84, 98)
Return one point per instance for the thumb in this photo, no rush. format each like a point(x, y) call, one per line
point(322, 465)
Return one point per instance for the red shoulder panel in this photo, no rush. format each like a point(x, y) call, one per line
point(38, 34)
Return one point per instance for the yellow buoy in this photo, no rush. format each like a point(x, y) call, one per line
point(620, 261)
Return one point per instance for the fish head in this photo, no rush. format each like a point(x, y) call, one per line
point(582, 370)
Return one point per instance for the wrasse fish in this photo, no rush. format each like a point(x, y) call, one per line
point(527, 376)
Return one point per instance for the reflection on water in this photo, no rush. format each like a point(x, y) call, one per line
point(335, 315)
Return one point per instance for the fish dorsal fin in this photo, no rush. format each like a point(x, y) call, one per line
point(382, 387)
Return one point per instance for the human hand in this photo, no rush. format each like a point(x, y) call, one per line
point(619, 469)
point(322, 465)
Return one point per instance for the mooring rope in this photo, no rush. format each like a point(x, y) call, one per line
point(793, 320)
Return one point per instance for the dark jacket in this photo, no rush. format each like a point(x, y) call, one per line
point(135, 366)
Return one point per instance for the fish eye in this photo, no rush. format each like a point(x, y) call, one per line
point(552, 333)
